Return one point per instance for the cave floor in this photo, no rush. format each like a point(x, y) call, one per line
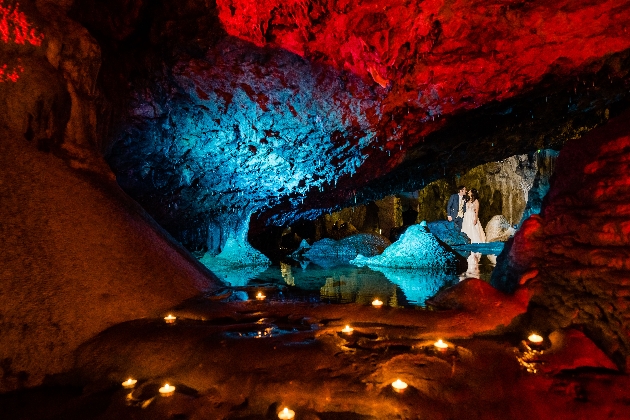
point(250, 359)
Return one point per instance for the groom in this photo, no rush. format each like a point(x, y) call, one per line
point(456, 207)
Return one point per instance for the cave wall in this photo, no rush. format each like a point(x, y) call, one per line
point(326, 103)
point(513, 187)
point(510, 187)
point(77, 254)
point(574, 255)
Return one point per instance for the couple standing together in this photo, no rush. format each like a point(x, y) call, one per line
point(463, 209)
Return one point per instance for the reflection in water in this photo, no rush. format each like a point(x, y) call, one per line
point(237, 276)
point(479, 266)
point(418, 285)
point(285, 270)
point(472, 271)
point(349, 283)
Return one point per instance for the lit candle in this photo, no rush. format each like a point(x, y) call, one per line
point(441, 345)
point(170, 319)
point(377, 303)
point(347, 330)
point(399, 386)
point(167, 390)
point(129, 383)
point(260, 296)
point(286, 414)
point(535, 339)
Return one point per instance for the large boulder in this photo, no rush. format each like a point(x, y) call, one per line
point(328, 251)
point(499, 229)
point(416, 248)
point(448, 233)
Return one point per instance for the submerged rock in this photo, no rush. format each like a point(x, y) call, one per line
point(499, 229)
point(416, 248)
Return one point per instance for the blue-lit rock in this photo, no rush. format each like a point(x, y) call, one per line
point(238, 262)
point(329, 252)
point(200, 148)
point(448, 232)
point(418, 285)
point(416, 248)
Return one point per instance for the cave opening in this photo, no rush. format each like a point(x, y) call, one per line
point(239, 210)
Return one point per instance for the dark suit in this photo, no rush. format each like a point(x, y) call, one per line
point(453, 208)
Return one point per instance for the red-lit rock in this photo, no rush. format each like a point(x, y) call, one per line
point(575, 254)
point(435, 55)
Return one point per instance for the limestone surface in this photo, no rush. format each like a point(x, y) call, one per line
point(499, 229)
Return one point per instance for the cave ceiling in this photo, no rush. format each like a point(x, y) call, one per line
point(288, 109)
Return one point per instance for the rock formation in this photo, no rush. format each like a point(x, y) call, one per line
point(416, 248)
point(574, 255)
point(347, 249)
point(78, 256)
point(499, 229)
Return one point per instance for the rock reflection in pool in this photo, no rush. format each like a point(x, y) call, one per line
point(348, 283)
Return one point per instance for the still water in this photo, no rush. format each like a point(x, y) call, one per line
point(343, 283)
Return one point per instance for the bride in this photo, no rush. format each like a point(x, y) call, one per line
point(471, 225)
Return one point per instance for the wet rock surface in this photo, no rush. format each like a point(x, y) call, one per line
point(574, 254)
point(78, 256)
point(245, 360)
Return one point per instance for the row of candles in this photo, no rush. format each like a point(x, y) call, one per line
point(287, 414)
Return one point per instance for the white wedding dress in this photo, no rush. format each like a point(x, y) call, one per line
point(474, 232)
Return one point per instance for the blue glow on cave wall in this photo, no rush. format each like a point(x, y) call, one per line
point(218, 138)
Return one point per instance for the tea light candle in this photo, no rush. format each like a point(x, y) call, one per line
point(377, 303)
point(167, 390)
point(535, 339)
point(347, 330)
point(260, 296)
point(129, 383)
point(286, 414)
point(170, 319)
point(399, 386)
point(441, 345)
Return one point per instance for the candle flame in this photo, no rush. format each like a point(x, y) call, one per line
point(440, 344)
point(399, 385)
point(535, 338)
